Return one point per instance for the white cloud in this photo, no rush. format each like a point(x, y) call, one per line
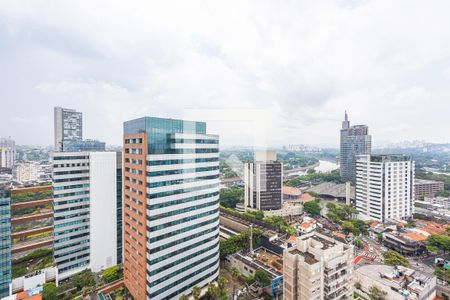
point(304, 62)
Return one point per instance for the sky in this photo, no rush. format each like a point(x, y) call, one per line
point(258, 72)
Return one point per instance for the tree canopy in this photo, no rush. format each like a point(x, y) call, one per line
point(262, 277)
point(438, 243)
point(112, 274)
point(393, 258)
point(312, 207)
point(239, 242)
point(230, 197)
point(50, 291)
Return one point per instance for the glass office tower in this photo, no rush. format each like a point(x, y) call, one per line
point(171, 207)
point(5, 241)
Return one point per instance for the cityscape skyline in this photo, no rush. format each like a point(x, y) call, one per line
point(300, 79)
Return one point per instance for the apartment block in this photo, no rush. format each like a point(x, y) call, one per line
point(86, 204)
point(385, 187)
point(427, 188)
point(5, 240)
point(171, 207)
point(318, 267)
point(263, 182)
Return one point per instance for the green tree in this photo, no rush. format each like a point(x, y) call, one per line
point(213, 291)
point(379, 237)
point(262, 277)
point(410, 223)
point(394, 259)
point(347, 226)
point(377, 294)
point(112, 274)
point(230, 197)
point(196, 291)
point(184, 297)
point(443, 193)
point(84, 279)
point(312, 207)
point(358, 243)
point(438, 243)
point(239, 242)
point(50, 291)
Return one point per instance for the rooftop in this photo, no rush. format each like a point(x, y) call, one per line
point(309, 258)
point(291, 191)
point(426, 181)
point(332, 189)
point(417, 237)
point(395, 277)
point(325, 243)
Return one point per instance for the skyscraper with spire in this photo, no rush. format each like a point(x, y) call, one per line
point(355, 140)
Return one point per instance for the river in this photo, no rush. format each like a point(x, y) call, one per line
point(326, 166)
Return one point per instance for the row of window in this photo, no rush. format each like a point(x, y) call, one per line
point(57, 211)
point(181, 260)
point(180, 241)
point(181, 211)
point(71, 223)
point(179, 281)
point(181, 181)
point(70, 187)
point(194, 141)
point(181, 201)
point(182, 250)
point(180, 161)
point(70, 179)
point(71, 216)
point(71, 172)
point(182, 230)
point(57, 203)
point(181, 191)
point(181, 221)
point(181, 171)
point(72, 230)
point(70, 157)
point(71, 245)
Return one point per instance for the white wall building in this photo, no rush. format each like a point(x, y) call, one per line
point(7, 153)
point(25, 172)
point(318, 267)
point(385, 187)
point(263, 182)
point(85, 210)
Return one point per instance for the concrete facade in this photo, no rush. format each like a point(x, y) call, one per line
point(318, 267)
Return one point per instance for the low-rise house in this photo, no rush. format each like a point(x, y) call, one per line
point(308, 225)
point(410, 244)
point(261, 259)
point(395, 282)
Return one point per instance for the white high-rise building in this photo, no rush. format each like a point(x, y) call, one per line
point(25, 172)
point(318, 267)
point(263, 182)
point(87, 198)
point(7, 153)
point(385, 187)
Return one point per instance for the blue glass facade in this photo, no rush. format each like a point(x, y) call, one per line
point(5, 242)
point(159, 130)
point(83, 145)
